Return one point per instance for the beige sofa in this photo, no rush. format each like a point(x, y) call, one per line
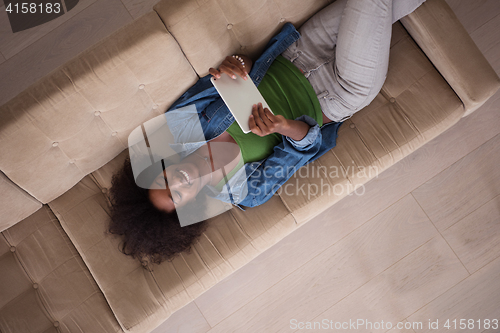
point(62, 139)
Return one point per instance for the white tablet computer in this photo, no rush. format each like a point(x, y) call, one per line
point(239, 96)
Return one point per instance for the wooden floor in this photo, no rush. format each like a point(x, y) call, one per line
point(422, 244)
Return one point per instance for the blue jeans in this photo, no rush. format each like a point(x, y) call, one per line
point(344, 53)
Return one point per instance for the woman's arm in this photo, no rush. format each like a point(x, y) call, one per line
point(232, 67)
point(272, 172)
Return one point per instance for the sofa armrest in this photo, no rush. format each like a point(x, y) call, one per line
point(441, 36)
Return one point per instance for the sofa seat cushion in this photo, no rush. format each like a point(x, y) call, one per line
point(142, 298)
point(76, 119)
point(45, 286)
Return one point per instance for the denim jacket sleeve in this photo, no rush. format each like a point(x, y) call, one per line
point(310, 137)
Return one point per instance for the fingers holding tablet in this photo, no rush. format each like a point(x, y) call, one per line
point(263, 122)
point(232, 67)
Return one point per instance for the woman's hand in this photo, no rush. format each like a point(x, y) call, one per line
point(232, 67)
point(262, 122)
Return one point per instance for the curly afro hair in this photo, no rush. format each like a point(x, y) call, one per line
point(148, 234)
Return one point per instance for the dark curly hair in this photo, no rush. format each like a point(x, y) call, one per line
point(149, 234)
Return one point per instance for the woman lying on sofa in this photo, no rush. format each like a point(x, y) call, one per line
point(312, 81)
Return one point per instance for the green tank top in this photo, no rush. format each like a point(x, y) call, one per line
point(288, 93)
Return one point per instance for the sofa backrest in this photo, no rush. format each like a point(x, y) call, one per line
point(78, 118)
point(239, 26)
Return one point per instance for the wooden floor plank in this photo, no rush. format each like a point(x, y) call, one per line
point(402, 289)
point(188, 319)
point(60, 45)
point(463, 187)
point(12, 43)
point(336, 272)
point(476, 238)
point(488, 42)
point(473, 14)
point(477, 297)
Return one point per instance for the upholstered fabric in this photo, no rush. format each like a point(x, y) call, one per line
point(76, 119)
point(44, 284)
point(16, 204)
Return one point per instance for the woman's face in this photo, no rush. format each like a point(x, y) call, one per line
point(183, 183)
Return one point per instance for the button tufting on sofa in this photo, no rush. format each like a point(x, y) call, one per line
point(97, 113)
point(48, 258)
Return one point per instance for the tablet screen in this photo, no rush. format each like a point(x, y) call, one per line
point(239, 95)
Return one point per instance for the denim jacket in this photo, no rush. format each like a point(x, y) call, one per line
point(201, 115)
